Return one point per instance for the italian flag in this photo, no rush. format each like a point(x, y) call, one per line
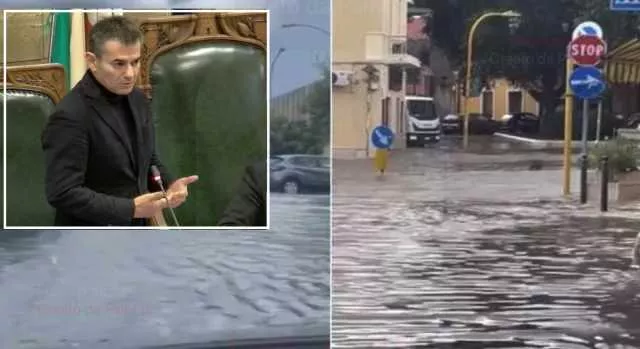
point(69, 42)
point(60, 42)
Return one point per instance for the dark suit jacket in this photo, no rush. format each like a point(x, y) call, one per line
point(249, 205)
point(90, 177)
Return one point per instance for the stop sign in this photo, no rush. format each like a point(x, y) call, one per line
point(587, 49)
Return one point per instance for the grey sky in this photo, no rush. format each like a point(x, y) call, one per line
point(304, 47)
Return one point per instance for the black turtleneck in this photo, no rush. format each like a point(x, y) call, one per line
point(120, 110)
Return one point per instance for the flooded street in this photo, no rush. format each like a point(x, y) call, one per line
point(125, 289)
point(475, 250)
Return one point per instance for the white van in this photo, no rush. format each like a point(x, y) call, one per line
point(423, 123)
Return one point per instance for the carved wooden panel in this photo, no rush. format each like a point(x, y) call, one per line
point(27, 38)
point(45, 78)
point(164, 33)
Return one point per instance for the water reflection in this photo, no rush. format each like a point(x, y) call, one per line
point(19, 245)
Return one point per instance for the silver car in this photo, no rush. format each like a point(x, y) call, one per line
point(297, 173)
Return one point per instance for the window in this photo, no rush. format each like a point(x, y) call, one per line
point(514, 102)
point(395, 78)
point(422, 109)
point(385, 111)
point(304, 161)
point(324, 162)
point(401, 117)
point(276, 163)
point(398, 48)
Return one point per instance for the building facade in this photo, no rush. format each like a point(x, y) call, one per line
point(291, 105)
point(369, 39)
point(501, 97)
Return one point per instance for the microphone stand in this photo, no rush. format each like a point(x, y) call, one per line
point(158, 179)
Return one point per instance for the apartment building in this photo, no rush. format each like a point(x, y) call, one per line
point(369, 41)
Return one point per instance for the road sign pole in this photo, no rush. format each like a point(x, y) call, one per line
point(585, 125)
point(585, 151)
point(568, 129)
point(599, 121)
point(586, 49)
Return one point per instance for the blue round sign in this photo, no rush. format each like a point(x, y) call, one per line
point(587, 82)
point(382, 137)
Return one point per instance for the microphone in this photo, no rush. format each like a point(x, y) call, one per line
point(155, 173)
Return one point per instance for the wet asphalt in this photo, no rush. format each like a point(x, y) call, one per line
point(474, 249)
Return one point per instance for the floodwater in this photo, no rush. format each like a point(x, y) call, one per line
point(129, 289)
point(454, 249)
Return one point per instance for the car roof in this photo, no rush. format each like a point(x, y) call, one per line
point(290, 156)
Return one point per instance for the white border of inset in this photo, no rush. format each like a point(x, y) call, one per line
point(330, 172)
point(159, 11)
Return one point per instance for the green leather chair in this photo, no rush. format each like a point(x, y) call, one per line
point(28, 107)
point(32, 92)
point(210, 105)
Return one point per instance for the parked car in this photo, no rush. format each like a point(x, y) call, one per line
point(631, 121)
point(504, 122)
point(482, 124)
point(300, 173)
point(523, 122)
point(479, 124)
point(451, 124)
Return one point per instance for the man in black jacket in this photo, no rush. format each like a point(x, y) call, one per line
point(249, 206)
point(99, 144)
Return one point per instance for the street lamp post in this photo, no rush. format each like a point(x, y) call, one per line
point(273, 64)
point(310, 26)
point(568, 124)
point(468, 75)
point(456, 92)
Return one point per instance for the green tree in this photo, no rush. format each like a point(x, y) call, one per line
point(308, 136)
point(531, 54)
point(318, 107)
point(293, 137)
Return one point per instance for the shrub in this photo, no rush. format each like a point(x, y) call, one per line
point(623, 155)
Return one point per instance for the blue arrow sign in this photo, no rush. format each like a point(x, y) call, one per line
point(625, 5)
point(587, 82)
point(382, 137)
point(589, 28)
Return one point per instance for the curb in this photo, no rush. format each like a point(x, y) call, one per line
point(540, 142)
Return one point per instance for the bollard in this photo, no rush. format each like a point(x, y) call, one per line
point(604, 184)
point(583, 179)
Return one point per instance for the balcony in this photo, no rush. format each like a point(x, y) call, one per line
point(381, 48)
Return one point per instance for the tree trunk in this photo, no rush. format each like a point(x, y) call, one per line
point(550, 121)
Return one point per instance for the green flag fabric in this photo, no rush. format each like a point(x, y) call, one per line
point(61, 42)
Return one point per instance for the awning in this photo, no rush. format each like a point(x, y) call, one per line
point(622, 64)
point(400, 60)
point(403, 60)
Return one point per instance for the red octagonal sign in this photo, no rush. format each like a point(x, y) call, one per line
point(587, 50)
